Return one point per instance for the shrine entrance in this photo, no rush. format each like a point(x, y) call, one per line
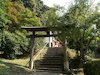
point(48, 31)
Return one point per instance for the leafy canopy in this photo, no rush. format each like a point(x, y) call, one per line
point(3, 18)
point(79, 25)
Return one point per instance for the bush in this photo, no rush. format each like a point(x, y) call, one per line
point(74, 63)
point(13, 44)
point(92, 68)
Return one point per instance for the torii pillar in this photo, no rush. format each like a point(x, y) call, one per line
point(50, 39)
point(31, 63)
point(66, 62)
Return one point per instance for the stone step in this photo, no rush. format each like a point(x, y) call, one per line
point(52, 58)
point(49, 66)
point(51, 61)
point(50, 69)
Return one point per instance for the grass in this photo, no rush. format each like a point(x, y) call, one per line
point(14, 67)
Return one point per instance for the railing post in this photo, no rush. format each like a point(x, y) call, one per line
point(32, 51)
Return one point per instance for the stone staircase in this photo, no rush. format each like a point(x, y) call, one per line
point(52, 61)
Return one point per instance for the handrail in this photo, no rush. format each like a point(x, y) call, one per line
point(40, 52)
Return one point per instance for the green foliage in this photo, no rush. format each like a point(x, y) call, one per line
point(13, 15)
point(3, 18)
point(50, 17)
point(13, 10)
point(19, 16)
point(78, 26)
point(30, 4)
point(28, 18)
point(39, 43)
point(40, 8)
point(13, 44)
point(92, 68)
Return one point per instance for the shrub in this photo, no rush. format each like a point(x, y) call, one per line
point(13, 44)
point(92, 68)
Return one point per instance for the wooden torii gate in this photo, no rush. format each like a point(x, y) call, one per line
point(35, 29)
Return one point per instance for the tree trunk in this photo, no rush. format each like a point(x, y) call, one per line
point(81, 57)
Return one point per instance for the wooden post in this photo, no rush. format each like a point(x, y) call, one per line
point(48, 33)
point(66, 62)
point(50, 39)
point(32, 51)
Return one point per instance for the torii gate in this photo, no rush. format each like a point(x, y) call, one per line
point(35, 29)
